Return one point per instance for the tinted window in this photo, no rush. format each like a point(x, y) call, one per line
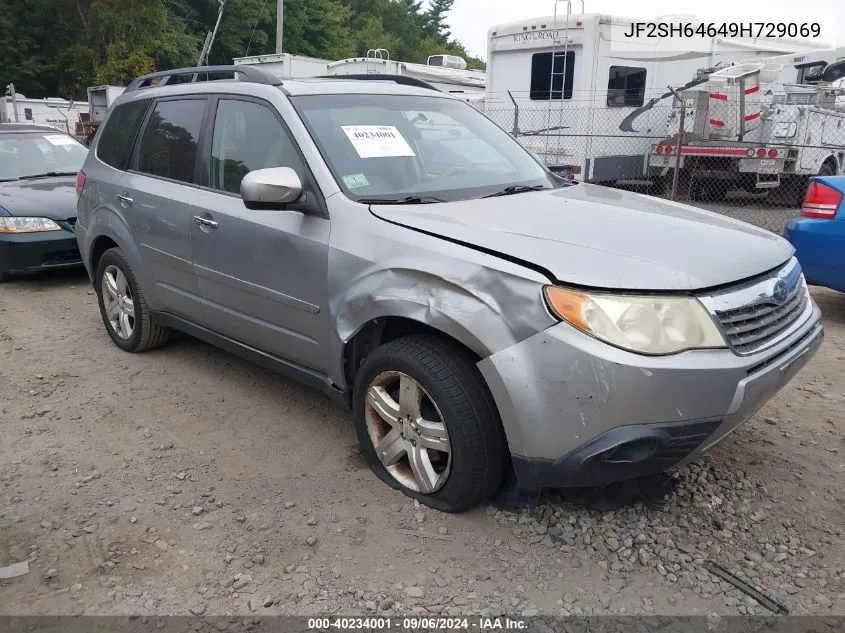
point(169, 143)
point(552, 83)
point(626, 86)
point(248, 136)
point(119, 132)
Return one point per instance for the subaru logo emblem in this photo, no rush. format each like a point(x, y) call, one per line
point(781, 291)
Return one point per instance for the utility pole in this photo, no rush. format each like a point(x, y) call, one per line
point(216, 26)
point(280, 25)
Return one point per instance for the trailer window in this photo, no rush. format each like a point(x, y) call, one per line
point(626, 86)
point(552, 83)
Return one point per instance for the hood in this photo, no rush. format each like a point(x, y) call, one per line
point(53, 198)
point(604, 238)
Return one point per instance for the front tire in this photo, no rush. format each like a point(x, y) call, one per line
point(125, 313)
point(427, 423)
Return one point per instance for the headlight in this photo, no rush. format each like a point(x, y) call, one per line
point(27, 225)
point(643, 324)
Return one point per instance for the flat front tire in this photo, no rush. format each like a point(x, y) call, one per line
point(125, 313)
point(427, 423)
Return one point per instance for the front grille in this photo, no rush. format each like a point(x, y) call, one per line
point(751, 327)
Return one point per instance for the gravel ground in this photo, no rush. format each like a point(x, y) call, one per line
point(186, 481)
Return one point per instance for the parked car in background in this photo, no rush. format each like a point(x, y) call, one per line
point(819, 234)
point(38, 168)
point(388, 244)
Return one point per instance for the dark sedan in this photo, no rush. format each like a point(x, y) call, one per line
point(38, 168)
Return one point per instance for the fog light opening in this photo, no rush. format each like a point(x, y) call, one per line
point(632, 452)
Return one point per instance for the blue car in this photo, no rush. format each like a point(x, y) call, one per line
point(819, 234)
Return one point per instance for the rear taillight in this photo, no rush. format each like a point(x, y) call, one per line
point(658, 149)
point(821, 201)
point(80, 183)
point(761, 153)
point(669, 149)
point(773, 153)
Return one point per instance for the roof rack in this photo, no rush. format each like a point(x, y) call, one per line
point(399, 79)
point(247, 72)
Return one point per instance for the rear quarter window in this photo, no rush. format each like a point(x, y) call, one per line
point(118, 133)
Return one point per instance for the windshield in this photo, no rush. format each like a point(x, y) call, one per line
point(394, 147)
point(33, 154)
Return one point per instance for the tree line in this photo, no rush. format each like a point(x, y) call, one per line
point(56, 48)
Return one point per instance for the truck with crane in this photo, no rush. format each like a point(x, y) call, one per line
point(760, 127)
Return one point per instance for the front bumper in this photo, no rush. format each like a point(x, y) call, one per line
point(578, 412)
point(32, 252)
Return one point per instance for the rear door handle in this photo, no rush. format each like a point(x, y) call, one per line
point(125, 200)
point(205, 222)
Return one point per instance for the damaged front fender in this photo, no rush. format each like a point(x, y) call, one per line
point(486, 303)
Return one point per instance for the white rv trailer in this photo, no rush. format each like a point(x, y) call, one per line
point(443, 71)
point(67, 116)
point(586, 101)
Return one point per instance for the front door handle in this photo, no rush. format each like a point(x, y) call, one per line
point(211, 224)
point(125, 201)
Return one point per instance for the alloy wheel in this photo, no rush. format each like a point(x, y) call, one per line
point(408, 432)
point(118, 302)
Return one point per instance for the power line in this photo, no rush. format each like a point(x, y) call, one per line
point(260, 12)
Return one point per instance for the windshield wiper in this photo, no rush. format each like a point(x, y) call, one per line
point(514, 189)
point(406, 200)
point(49, 174)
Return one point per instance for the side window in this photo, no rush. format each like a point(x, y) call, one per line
point(248, 136)
point(548, 82)
point(119, 132)
point(626, 86)
point(169, 142)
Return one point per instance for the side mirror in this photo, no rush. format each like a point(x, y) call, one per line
point(270, 188)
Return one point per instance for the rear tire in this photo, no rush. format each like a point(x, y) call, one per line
point(709, 190)
point(450, 388)
point(125, 313)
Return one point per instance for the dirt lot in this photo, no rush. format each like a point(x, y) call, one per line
point(188, 481)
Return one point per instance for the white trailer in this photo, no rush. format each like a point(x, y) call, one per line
point(287, 66)
point(469, 84)
point(64, 115)
point(443, 71)
point(588, 101)
point(100, 99)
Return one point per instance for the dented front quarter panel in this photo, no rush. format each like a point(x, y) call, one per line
point(485, 302)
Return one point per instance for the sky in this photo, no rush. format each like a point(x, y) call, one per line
point(470, 19)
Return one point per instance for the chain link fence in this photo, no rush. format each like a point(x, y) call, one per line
point(741, 145)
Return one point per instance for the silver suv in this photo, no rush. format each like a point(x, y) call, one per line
point(388, 244)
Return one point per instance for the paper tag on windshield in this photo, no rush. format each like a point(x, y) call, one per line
point(58, 139)
point(356, 181)
point(377, 141)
